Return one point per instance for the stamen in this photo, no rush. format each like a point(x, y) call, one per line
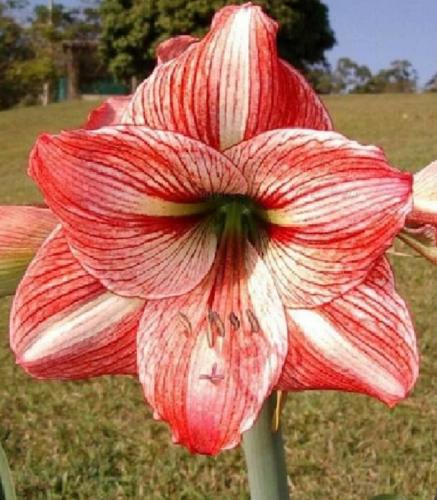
point(210, 336)
point(276, 420)
point(235, 322)
point(213, 377)
point(184, 323)
point(216, 324)
point(254, 325)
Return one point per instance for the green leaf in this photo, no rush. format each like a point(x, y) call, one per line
point(7, 491)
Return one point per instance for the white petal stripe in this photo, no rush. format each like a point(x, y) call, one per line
point(342, 353)
point(235, 103)
point(82, 324)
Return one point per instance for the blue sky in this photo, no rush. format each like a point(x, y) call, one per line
point(375, 32)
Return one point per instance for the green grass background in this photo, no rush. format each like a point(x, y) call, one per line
point(97, 440)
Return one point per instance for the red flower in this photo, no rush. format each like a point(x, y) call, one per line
point(420, 231)
point(108, 113)
point(214, 251)
point(425, 196)
point(22, 231)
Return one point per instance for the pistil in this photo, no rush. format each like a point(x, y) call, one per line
point(236, 216)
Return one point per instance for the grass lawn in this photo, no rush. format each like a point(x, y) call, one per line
point(97, 440)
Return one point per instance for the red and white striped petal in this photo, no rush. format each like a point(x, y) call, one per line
point(66, 325)
point(129, 199)
point(362, 342)
point(333, 207)
point(228, 87)
point(304, 108)
point(173, 47)
point(108, 113)
point(22, 231)
point(208, 359)
point(425, 196)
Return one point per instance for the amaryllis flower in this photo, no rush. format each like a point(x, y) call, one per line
point(270, 86)
point(425, 196)
point(109, 112)
point(213, 251)
point(264, 93)
point(420, 231)
point(227, 87)
point(22, 231)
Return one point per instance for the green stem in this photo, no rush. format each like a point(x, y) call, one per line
point(265, 458)
point(7, 491)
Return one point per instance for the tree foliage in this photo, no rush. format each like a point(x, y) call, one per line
point(14, 48)
point(50, 30)
point(399, 77)
point(350, 76)
point(321, 78)
point(431, 84)
point(32, 54)
point(353, 78)
point(131, 29)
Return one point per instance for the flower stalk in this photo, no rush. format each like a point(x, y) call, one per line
point(265, 458)
point(7, 490)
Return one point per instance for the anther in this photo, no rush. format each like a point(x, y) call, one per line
point(184, 322)
point(216, 324)
point(235, 322)
point(280, 401)
point(213, 377)
point(210, 336)
point(254, 325)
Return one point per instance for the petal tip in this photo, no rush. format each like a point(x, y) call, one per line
point(174, 47)
point(248, 8)
point(393, 400)
point(35, 158)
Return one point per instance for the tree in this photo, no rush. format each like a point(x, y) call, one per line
point(129, 36)
point(399, 77)
point(402, 76)
point(63, 23)
point(15, 47)
point(32, 55)
point(350, 76)
point(131, 29)
point(431, 85)
point(50, 30)
point(29, 76)
point(321, 78)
